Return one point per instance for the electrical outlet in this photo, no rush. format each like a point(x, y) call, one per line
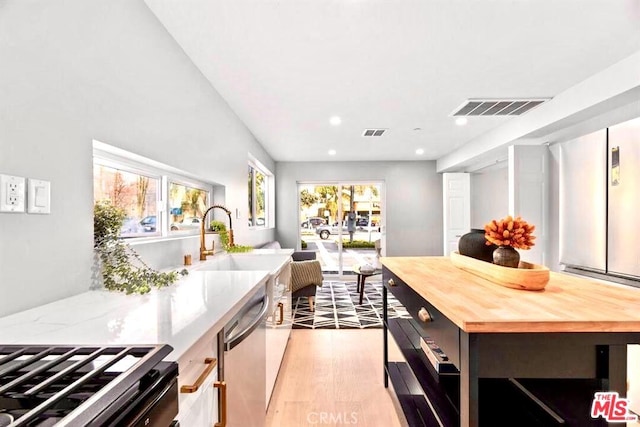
point(11, 193)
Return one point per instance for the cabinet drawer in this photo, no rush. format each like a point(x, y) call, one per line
point(439, 328)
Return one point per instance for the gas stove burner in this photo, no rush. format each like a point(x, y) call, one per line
point(84, 386)
point(5, 420)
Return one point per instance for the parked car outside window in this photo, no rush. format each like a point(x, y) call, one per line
point(313, 222)
point(324, 231)
point(148, 223)
point(188, 223)
point(363, 222)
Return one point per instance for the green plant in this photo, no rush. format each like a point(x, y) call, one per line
point(360, 244)
point(239, 248)
point(122, 268)
point(303, 244)
point(217, 226)
point(224, 241)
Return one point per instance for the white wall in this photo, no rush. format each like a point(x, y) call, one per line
point(413, 200)
point(489, 195)
point(80, 70)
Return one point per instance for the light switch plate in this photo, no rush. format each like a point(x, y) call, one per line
point(11, 193)
point(39, 197)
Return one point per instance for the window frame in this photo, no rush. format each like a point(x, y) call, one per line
point(190, 183)
point(269, 218)
point(126, 166)
point(113, 157)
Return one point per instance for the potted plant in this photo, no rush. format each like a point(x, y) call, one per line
point(509, 234)
point(122, 268)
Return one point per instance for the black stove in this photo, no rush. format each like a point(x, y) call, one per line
point(87, 386)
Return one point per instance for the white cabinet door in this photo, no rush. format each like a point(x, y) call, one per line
point(456, 192)
point(200, 409)
point(279, 325)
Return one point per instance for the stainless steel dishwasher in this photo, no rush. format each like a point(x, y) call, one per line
point(242, 343)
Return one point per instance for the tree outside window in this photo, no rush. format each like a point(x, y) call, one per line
point(186, 206)
point(134, 193)
point(258, 197)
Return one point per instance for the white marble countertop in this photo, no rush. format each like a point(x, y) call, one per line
point(177, 315)
point(283, 251)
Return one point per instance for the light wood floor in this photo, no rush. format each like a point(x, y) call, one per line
point(332, 377)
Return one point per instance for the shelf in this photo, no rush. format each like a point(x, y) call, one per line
point(441, 390)
point(503, 402)
point(415, 406)
point(569, 399)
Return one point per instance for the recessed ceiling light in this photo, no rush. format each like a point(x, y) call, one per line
point(461, 121)
point(419, 151)
point(332, 152)
point(335, 120)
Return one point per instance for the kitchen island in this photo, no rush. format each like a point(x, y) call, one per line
point(500, 356)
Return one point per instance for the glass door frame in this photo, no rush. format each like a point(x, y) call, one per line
point(340, 213)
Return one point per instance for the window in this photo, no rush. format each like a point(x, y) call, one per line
point(186, 206)
point(259, 184)
point(135, 193)
point(158, 200)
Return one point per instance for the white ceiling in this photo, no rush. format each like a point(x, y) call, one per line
point(287, 66)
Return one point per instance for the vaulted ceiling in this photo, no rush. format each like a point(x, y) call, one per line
point(286, 67)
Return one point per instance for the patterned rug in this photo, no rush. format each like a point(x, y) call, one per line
point(336, 307)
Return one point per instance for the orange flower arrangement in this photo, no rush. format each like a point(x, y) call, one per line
point(510, 231)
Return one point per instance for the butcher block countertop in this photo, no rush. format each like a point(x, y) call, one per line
point(476, 305)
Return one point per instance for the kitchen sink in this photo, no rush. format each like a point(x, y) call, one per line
point(276, 264)
point(244, 262)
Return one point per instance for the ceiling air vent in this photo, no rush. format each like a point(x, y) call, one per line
point(497, 107)
point(373, 132)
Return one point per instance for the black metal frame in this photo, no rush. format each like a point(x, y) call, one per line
point(148, 357)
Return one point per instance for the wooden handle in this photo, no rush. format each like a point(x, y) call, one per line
point(391, 282)
point(211, 363)
point(281, 308)
point(424, 315)
point(222, 397)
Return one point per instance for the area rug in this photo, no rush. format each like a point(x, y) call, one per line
point(336, 307)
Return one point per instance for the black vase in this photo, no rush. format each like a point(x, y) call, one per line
point(473, 244)
point(506, 256)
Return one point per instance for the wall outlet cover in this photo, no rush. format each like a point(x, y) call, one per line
point(12, 193)
point(39, 197)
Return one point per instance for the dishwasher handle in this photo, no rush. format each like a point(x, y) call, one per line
point(250, 328)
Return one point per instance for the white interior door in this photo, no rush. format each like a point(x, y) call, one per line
point(383, 220)
point(456, 193)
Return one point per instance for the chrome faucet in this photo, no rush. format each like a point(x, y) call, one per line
point(204, 252)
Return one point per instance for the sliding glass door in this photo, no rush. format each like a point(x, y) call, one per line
point(342, 223)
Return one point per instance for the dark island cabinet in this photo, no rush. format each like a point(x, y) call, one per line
point(498, 375)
